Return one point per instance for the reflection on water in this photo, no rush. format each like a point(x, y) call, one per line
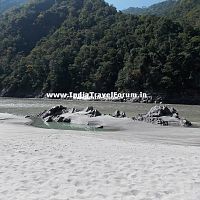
point(35, 106)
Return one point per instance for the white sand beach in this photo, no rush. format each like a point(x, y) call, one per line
point(143, 162)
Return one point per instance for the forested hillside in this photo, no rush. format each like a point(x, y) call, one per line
point(86, 45)
point(187, 11)
point(159, 9)
point(8, 4)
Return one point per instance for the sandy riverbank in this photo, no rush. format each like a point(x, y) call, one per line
point(130, 164)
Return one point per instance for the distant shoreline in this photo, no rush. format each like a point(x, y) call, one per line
point(182, 101)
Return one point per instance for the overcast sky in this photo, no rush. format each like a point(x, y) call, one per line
point(123, 4)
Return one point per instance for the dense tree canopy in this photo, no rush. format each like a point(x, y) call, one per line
point(160, 9)
point(86, 45)
point(187, 11)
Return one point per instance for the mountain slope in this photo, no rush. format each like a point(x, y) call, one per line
point(187, 11)
point(159, 9)
point(8, 4)
point(86, 45)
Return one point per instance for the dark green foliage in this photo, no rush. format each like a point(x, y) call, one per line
point(184, 11)
point(86, 45)
point(159, 9)
point(187, 11)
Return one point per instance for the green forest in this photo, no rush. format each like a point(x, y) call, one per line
point(183, 11)
point(87, 45)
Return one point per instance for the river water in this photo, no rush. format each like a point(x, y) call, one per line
point(35, 106)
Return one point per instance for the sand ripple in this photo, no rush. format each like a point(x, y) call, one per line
point(70, 167)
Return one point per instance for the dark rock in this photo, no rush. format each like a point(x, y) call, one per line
point(123, 115)
point(159, 111)
point(92, 112)
point(99, 127)
point(63, 119)
point(134, 118)
point(60, 119)
point(140, 117)
point(119, 114)
point(175, 115)
point(48, 119)
point(95, 113)
point(165, 123)
point(67, 120)
point(53, 112)
point(88, 109)
point(161, 122)
point(73, 110)
point(185, 123)
point(42, 113)
point(116, 113)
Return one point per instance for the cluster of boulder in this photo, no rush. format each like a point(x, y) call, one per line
point(55, 114)
point(92, 112)
point(163, 115)
point(159, 114)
